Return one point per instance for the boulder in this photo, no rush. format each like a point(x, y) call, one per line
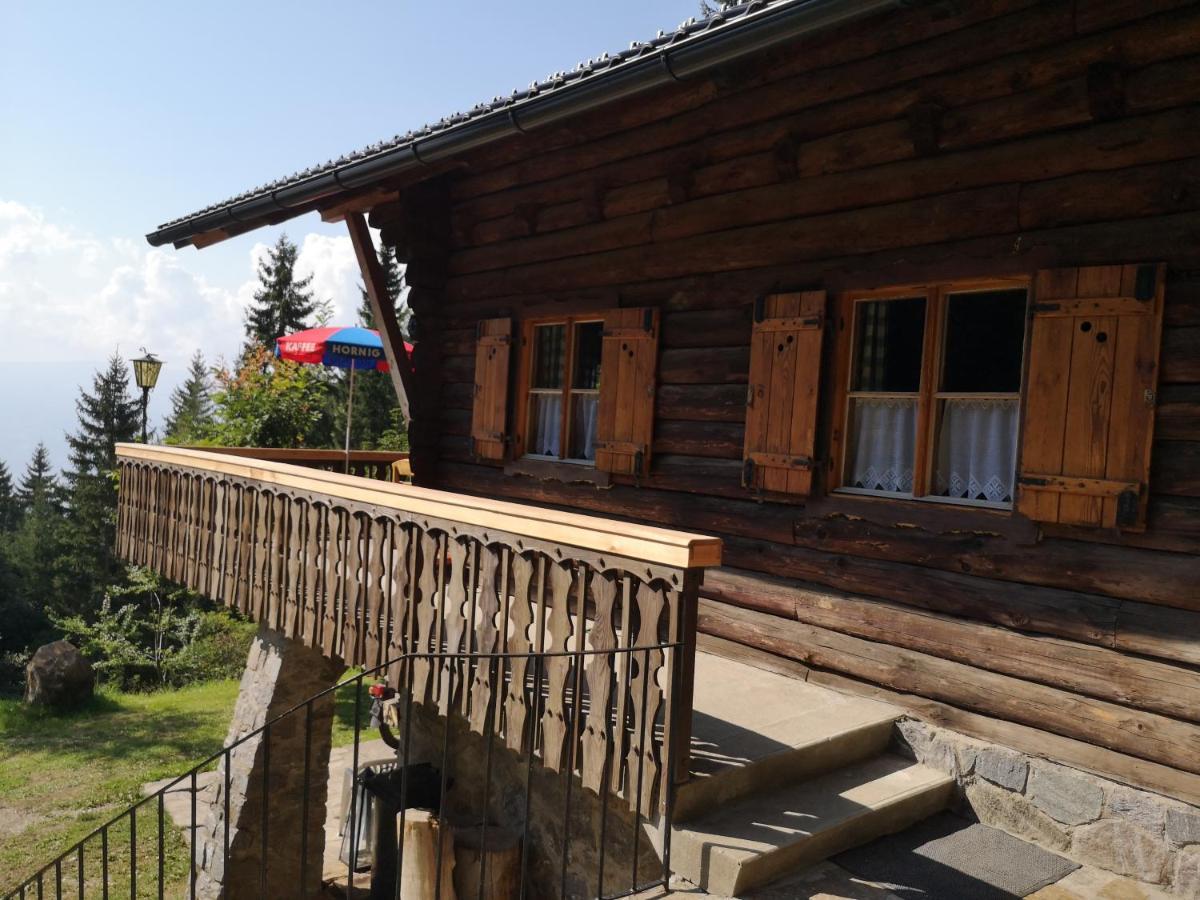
point(59, 675)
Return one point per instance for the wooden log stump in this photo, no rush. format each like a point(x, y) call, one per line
point(499, 851)
point(423, 832)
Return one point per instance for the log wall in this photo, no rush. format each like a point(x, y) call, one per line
point(992, 138)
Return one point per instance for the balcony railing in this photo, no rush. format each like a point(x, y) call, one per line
point(593, 619)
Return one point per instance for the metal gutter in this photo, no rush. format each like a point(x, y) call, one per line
point(717, 44)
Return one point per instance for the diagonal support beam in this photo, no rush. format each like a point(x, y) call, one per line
point(399, 364)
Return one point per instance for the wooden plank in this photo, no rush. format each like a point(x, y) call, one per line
point(489, 417)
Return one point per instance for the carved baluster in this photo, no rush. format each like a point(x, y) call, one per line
point(426, 612)
point(491, 587)
point(204, 537)
point(352, 584)
point(465, 676)
point(229, 557)
point(554, 721)
point(259, 585)
point(331, 580)
point(646, 697)
point(400, 598)
point(624, 665)
point(310, 567)
point(603, 637)
point(460, 556)
point(373, 611)
point(293, 594)
point(245, 575)
point(516, 701)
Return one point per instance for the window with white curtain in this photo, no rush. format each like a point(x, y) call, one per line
point(564, 390)
point(933, 393)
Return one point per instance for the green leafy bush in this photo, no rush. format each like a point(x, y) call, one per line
point(217, 650)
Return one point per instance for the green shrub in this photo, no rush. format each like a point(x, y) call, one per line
point(217, 650)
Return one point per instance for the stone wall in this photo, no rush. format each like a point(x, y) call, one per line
point(1088, 819)
point(279, 674)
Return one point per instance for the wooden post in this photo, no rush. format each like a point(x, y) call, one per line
point(502, 852)
point(399, 364)
point(423, 831)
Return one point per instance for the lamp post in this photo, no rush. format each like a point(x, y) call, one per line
point(145, 373)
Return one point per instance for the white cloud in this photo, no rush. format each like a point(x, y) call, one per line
point(69, 296)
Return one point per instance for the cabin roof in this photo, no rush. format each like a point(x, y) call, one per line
point(735, 29)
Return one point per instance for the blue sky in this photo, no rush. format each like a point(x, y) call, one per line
point(116, 117)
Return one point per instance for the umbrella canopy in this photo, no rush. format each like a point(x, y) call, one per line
point(344, 348)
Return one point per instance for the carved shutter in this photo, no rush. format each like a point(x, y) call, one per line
point(625, 423)
point(489, 419)
point(1089, 413)
point(781, 400)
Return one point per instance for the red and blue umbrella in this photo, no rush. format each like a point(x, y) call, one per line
point(343, 348)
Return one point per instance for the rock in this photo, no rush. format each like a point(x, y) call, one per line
point(1002, 767)
point(1183, 826)
point(1015, 814)
point(59, 675)
point(1137, 807)
point(1067, 798)
point(1121, 847)
point(1186, 877)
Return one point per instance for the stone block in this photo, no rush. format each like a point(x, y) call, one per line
point(1013, 813)
point(1183, 826)
point(1185, 879)
point(1066, 797)
point(1138, 807)
point(1002, 767)
point(1121, 847)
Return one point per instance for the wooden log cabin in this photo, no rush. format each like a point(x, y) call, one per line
point(902, 301)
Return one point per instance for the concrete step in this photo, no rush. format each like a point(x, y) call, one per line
point(770, 834)
point(753, 730)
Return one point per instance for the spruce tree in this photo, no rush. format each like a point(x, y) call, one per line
point(107, 415)
point(282, 303)
point(191, 404)
point(39, 486)
point(10, 511)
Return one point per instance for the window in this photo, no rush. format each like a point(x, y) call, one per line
point(933, 392)
point(563, 396)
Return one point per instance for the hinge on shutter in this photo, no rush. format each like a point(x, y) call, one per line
point(1128, 503)
point(648, 320)
point(1032, 481)
point(1145, 283)
point(1044, 307)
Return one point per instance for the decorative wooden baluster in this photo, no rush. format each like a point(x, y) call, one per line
point(400, 599)
point(558, 668)
point(310, 569)
point(174, 514)
point(626, 638)
point(516, 701)
point(216, 555)
point(331, 596)
point(646, 697)
point(245, 576)
point(181, 512)
point(353, 583)
point(233, 537)
point(195, 531)
point(262, 525)
point(203, 537)
point(425, 607)
point(293, 588)
point(373, 607)
point(491, 588)
point(603, 637)
point(454, 621)
point(465, 676)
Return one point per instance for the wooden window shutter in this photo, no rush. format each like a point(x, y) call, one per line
point(1089, 410)
point(781, 400)
point(625, 421)
point(489, 418)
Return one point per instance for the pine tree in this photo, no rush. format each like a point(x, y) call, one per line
point(40, 486)
point(191, 404)
point(10, 510)
point(375, 404)
point(106, 416)
point(282, 303)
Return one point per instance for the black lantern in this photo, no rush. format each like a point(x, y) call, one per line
point(145, 373)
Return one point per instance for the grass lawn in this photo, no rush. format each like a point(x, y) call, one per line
point(64, 775)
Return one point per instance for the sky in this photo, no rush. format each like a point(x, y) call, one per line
point(116, 117)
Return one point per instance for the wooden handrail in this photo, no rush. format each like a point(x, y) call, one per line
point(641, 542)
point(304, 455)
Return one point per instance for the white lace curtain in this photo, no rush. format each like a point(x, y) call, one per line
point(882, 459)
point(547, 431)
point(977, 451)
point(547, 417)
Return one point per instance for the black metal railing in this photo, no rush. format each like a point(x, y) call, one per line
point(125, 857)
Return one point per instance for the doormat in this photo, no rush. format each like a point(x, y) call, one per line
point(948, 858)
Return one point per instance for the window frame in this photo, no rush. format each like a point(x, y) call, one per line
point(928, 394)
point(526, 391)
